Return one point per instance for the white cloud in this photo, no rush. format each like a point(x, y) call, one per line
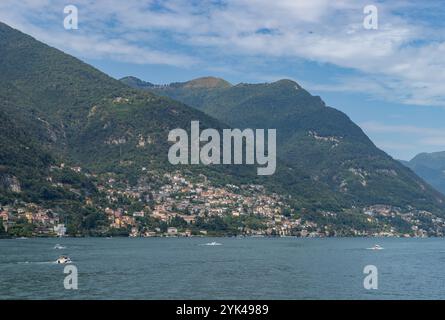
point(403, 60)
point(97, 41)
point(377, 127)
point(405, 140)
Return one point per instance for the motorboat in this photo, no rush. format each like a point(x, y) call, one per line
point(213, 244)
point(376, 247)
point(63, 260)
point(59, 247)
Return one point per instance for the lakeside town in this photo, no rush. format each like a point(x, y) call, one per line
point(176, 205)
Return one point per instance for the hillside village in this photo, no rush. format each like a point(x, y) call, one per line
point(174, 204)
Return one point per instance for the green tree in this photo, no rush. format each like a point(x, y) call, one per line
point(2, 231)
point(22, 228)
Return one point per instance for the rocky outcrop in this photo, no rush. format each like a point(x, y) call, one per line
point(10, 183)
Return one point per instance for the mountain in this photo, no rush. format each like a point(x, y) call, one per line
point(65, 125)
point(82, 115)
point(136, 83)
point(200, 83)
point(81, 148)
point(330, 157)
point(204, 83)
point(431, 167)
point(24, 158)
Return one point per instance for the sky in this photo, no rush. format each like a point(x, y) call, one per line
point(389, 80)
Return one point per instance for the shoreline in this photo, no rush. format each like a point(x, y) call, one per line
point(222, 237)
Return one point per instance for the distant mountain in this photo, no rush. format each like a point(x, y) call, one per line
point(203, 83)
point(431, 167)
point(200, 83)
point(136, 83)
point(330, 157)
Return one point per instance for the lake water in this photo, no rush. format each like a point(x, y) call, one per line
point(247, 268)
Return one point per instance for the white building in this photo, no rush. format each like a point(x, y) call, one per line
point(60, 230)
point(171, 231)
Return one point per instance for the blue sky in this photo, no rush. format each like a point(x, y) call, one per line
point(390, 81)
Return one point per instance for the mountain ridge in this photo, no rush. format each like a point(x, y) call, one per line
point(431, 167)
point(313, 138)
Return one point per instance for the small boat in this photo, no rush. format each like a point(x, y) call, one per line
point(376, 247)
point(63, 260)
point(213, 244)
point(58, 246)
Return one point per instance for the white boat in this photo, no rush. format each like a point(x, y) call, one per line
point(59, 247)
point(376, 247)
point(213, 244)
point(63, 260)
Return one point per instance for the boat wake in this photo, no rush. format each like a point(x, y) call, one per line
point(212, 244)
point(375, 247)
point(37, 262)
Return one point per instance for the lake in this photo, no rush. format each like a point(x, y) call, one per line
point(239, 268)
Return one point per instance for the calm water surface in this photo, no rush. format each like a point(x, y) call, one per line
point(249, 268)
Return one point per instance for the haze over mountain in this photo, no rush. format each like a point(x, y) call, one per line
point(431, 167)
